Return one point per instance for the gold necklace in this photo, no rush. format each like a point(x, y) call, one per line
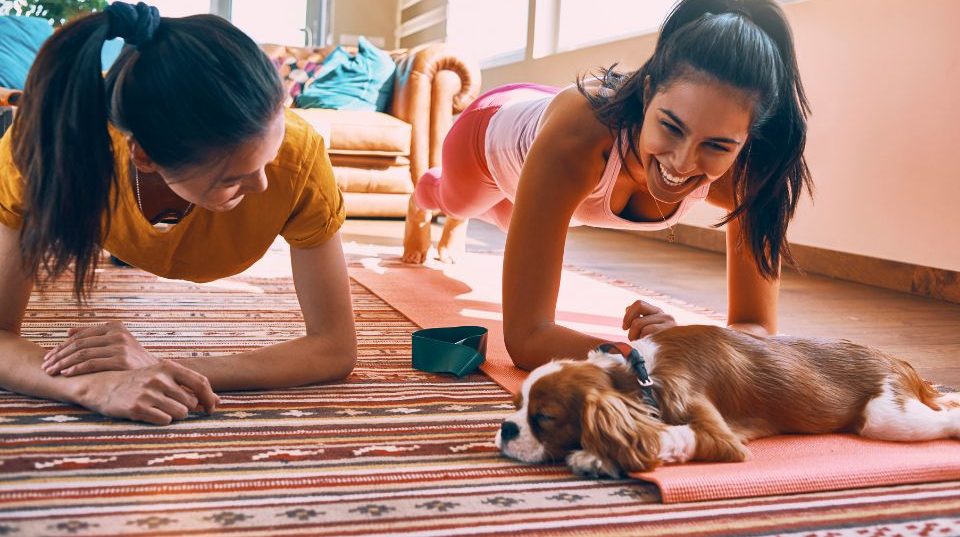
point(671, 234)
point(136, 184)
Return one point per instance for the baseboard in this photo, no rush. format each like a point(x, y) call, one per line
point(939, 284)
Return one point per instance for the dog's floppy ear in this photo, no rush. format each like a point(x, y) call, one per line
point(619, 431)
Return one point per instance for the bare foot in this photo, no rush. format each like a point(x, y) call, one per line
point(453, 241)
point(416, 234)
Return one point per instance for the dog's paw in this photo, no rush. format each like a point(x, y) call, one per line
point(733, 452)
point(589, 465)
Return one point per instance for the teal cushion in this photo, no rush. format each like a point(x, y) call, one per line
point(110, 52)
point(347, 82)
point(20, 40)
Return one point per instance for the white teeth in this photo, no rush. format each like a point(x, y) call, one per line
point(670, 178)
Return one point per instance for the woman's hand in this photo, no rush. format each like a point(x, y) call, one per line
point(643, 319)
point(157, 394)
point(105, 347)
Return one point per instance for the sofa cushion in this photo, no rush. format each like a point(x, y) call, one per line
point(20, 40)
point(375, 204)
point(391, 180)
point(360, 133)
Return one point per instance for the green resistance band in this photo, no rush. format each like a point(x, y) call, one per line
point(456, 349)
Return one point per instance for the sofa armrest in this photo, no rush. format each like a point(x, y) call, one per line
point(431, 85)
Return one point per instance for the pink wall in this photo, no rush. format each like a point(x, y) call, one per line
point(883, 78)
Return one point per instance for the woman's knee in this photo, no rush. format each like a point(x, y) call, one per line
point(426, 193)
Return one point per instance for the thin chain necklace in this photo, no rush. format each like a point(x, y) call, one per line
point(136, 184)
point(671, 234)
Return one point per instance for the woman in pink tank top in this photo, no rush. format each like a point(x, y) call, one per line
point(718, 113)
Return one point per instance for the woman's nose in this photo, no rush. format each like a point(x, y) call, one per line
point(683, 160)
point(257, 183)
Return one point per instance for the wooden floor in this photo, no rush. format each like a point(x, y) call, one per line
point(926, 332)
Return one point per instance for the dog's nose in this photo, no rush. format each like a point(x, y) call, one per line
point(508, 431)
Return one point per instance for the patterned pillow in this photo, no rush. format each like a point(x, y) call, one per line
point(296, 72)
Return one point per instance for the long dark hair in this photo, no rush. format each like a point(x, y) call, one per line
point(748, 45)
point(186, 89)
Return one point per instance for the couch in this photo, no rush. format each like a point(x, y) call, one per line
point(378, 157)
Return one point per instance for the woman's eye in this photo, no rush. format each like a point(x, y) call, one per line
point(673, 129)
point(718, 147)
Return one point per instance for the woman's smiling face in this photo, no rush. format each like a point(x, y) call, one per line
point(221, 185)
point(693, 130)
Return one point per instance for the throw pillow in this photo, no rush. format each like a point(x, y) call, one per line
point(352, 82)
point(20, 40)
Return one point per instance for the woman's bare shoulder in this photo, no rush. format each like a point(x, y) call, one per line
point(572, 114)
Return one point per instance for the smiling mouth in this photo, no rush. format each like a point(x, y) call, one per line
point(671, 179)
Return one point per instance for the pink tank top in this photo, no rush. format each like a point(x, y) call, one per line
point(510, 134)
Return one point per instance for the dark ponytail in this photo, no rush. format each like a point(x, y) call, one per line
point(62, 148)
point(748, 45)
point(185, 89)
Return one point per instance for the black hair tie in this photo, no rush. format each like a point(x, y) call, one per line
point(136, 24)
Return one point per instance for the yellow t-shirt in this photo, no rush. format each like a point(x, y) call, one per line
point(302, 203)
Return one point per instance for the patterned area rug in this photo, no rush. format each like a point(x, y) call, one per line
point(388, 452)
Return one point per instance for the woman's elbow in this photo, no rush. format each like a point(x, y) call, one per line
point(518, 346)
point(344, 364)
point(332, 363)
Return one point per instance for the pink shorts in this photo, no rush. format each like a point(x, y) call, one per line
point(464, 188)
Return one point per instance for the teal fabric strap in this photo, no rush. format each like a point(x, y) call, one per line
point(457, 349)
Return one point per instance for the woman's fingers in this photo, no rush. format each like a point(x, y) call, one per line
point(84, 340)
point(94, 365)
point(152, 415)
point(170, 407)
point(651, 329)
point(196, 383)
point(76, 356)
point(181, 394)
point(638, 309)
point(638, 328)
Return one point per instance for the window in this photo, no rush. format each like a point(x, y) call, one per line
point(493, 31)
point(265, 24)
point(586, 22)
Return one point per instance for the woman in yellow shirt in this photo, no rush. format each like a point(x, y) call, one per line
point(188, 124)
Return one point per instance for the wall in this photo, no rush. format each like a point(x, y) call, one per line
point(370, 18)
point(883, 78)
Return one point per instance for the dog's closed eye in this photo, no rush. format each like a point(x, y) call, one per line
point(540, 419)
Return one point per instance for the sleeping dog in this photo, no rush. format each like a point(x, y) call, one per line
point(701, 392)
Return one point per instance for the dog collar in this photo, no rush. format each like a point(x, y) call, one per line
point(639, 367)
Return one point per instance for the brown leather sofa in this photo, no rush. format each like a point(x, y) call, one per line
point(378, 157)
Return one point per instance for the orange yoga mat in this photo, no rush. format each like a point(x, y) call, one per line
point(469, 293)
point(794, 464)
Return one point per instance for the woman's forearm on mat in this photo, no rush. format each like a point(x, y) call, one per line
point(301, 361)
point(534, 347)
point(20, 371)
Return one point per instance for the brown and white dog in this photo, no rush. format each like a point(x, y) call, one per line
point(716, 388)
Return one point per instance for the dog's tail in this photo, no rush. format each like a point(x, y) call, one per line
point(914, 385)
